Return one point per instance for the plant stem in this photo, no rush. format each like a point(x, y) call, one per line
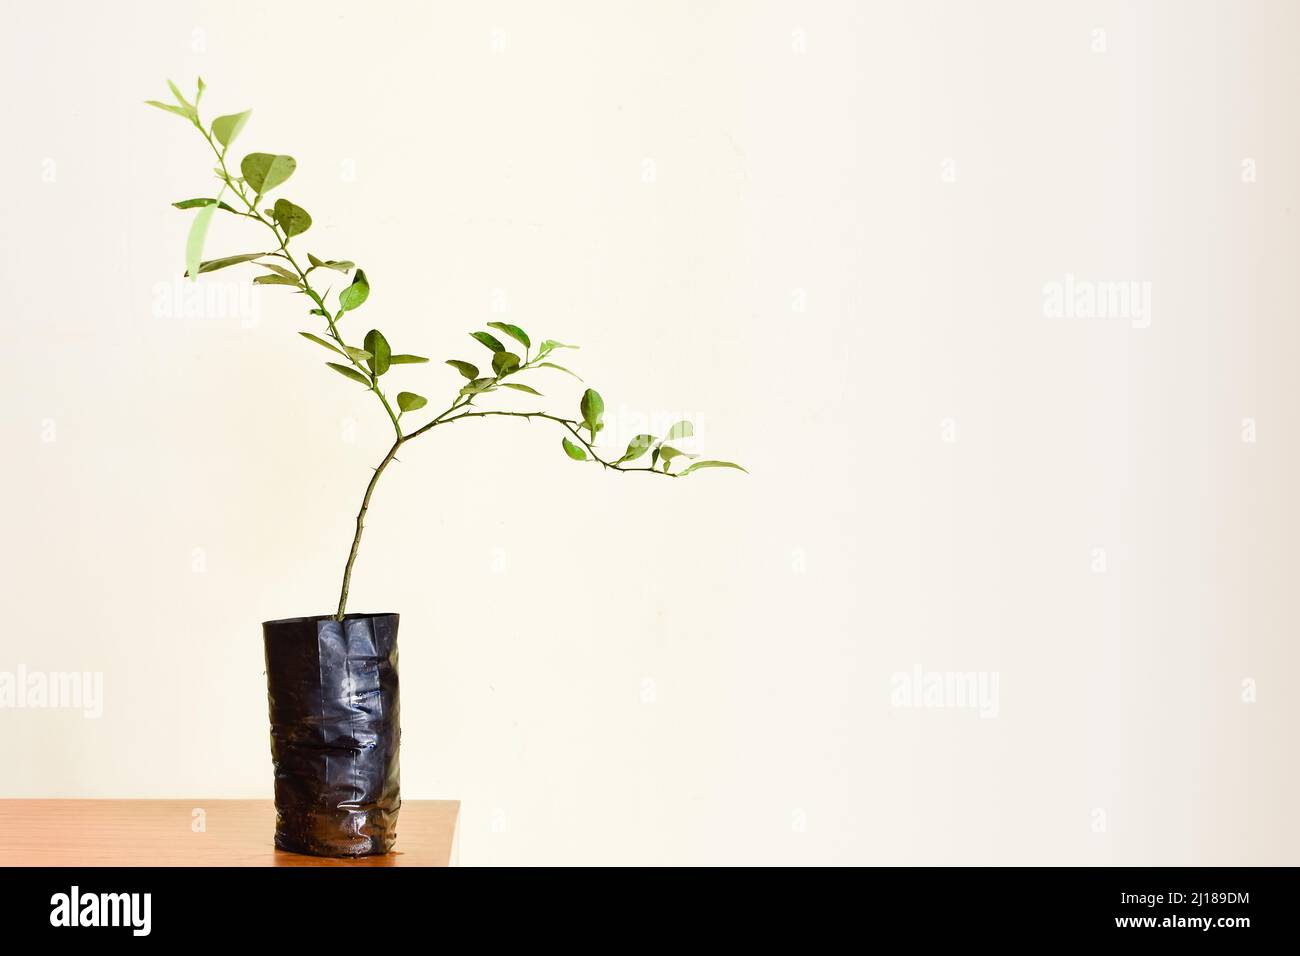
point(361, 525)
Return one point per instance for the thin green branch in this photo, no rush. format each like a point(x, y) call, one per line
point(570, 424)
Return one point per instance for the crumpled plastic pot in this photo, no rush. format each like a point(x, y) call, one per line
point(332, 687)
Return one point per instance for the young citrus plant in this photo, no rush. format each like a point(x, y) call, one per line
point(368, 363)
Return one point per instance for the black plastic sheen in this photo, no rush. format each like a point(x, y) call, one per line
point(332, 688)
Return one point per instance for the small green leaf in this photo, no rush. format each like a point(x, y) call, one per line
point(279, 270)
point(478, 385)
point(560, 367)
point(637, 447)
point(294, 220)
point(710, 464)
point(349, 372)
point(212, 265)
point(668, 453)
point(654, 457)
point(465, 368)
point(550, 345)
point(199, 203)
point(503, 363)
point(380, 354)
point(410, 402)
point(265, 171)
point(361, 355)
point(680, 430)
point(523, 388)
point(573, 451)
point(194, 242)
point(320, 341)
point(593, 409)
point(404, 359)
point(226, 128)
point(337, 265)
point(355, 294)
point(178, 110)
point(199, 95)
point(514, 331)
point(274, 280)
point(188, 106)
point(488, 340)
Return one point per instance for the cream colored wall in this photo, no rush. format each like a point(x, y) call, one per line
point(837, 271)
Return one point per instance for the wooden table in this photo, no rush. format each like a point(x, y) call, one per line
point(196, 833)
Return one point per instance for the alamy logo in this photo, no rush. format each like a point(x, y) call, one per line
point(56, 690)
point(211, 301)
point(971, 690)
point(1087, 299)
point(102, 909)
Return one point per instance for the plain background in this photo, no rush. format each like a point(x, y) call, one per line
point(821, 231)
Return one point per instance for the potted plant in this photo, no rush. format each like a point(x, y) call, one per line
point(332, 679)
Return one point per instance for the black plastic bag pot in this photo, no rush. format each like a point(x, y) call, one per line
point(332, 687)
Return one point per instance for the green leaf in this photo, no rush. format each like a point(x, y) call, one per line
point(265, 171)
point(226, 128)
point(279, 270)
point(710, 464)
point(637, 447)
point(337, 265)
point(573, 451)
point(488, 340)
point(680, 430)
point(189, 107)
point(199, 203)
point(478, 385)
point(668, 453)
point(199, 95)
point(274, 280)
point(514, 331)
point(654, 457)
point(550, 345)
point(380, 354)
point(294, 220)
point(523, 388)
point(503, 363)
point(355, 294)
point(212, 265)
point(560, 367)
point(320, 341)
point(465, 368)
point(593, 409)
point(404, 359)
point(347, 351)
point(194, 242)
point(179, 111)
point(349, 372)
point(410, 402)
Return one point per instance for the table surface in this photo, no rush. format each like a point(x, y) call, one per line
point(196, 833)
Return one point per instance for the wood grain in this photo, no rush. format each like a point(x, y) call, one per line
point(162, 833)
